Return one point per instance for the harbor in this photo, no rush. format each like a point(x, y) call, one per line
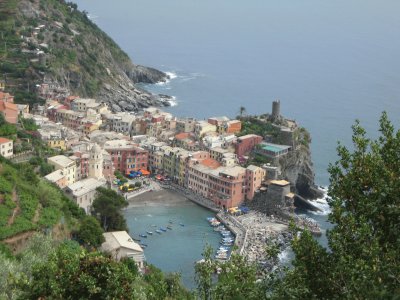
point(176, 249)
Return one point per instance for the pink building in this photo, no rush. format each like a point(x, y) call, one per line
point(254, 177)
point(227, 188)
point(126, 156)
point(246, 144)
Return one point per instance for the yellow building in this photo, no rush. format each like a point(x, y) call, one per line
point(89, 127)
point(57, 144)
point(202, 127)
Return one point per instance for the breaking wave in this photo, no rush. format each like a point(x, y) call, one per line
point(322, 204)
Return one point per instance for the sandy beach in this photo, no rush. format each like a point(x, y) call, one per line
point(161, 197)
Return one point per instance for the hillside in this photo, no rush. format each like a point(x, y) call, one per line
point(53, 42)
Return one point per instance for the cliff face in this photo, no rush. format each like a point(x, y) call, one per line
point(297, 168)
point(52, 41)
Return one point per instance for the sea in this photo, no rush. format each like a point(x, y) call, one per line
point(328, 62)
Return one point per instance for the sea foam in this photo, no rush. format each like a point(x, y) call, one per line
point(322, 204)
point(173, 101)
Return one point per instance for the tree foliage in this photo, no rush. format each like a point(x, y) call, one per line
point(236, 278)
point(107, 206)
point(363, 260)
point(90, 232)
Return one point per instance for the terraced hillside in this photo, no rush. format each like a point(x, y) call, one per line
point(29, 204)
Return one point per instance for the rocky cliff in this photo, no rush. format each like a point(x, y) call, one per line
point(297, 168)
point(52, 41)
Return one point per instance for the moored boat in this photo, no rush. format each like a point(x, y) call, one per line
point(143, 235)
point(182, 224)
point(149, 232)
point(163, 229)
point(158, 231)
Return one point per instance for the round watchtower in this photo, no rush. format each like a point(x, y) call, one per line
point(276, 109)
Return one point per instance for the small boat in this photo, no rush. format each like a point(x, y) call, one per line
point(154, 225)
point(136, 240)
point(169, 227)
point(221, 256)
point(143, 235)
point(158, 231)
point(226, 244)
point(216, 223)
point(170, 222)
point(143, 245)
point(228, 241)
point(149, 232)
point(163, 229)
point(182, 224)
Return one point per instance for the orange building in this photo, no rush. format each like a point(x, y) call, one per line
point(254, 177)
point(9, 111)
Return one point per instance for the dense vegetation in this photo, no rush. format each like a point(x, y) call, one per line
point(30, 203)
point(107, 207)
point(256, 125)
point(54, 270)
point(54, 38)
point(363, 260)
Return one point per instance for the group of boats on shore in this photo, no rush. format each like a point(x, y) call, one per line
point(227, 239)
point(160, 230)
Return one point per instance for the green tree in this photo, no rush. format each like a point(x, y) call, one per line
point(73, 273)
point(107, 206)
point(236, 278)
point(363, 260)
point(90, 232)
point(138, 184)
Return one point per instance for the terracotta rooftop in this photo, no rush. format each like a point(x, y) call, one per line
point(182, 135)
point(210, 163)
point(4, 140)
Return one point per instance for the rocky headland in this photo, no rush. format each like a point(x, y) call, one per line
point(55, 43)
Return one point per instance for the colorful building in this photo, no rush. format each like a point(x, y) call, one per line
point(254, 177)
point(9, 111)
point(126, 156)
point(245, 144)
point(6, 147)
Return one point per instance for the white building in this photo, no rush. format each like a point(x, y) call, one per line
point(6, 147)
point(121, 122)
point(119, 244)
point(66, 165)
point(84, 192)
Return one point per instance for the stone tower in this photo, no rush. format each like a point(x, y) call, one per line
point(96, 162)
point(276, 110)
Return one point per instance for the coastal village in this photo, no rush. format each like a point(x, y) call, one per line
point(209, 161)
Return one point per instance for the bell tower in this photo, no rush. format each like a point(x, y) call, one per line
point(96, 162)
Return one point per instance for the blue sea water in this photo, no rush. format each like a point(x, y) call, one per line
point(184, 242)
point(329, 62)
